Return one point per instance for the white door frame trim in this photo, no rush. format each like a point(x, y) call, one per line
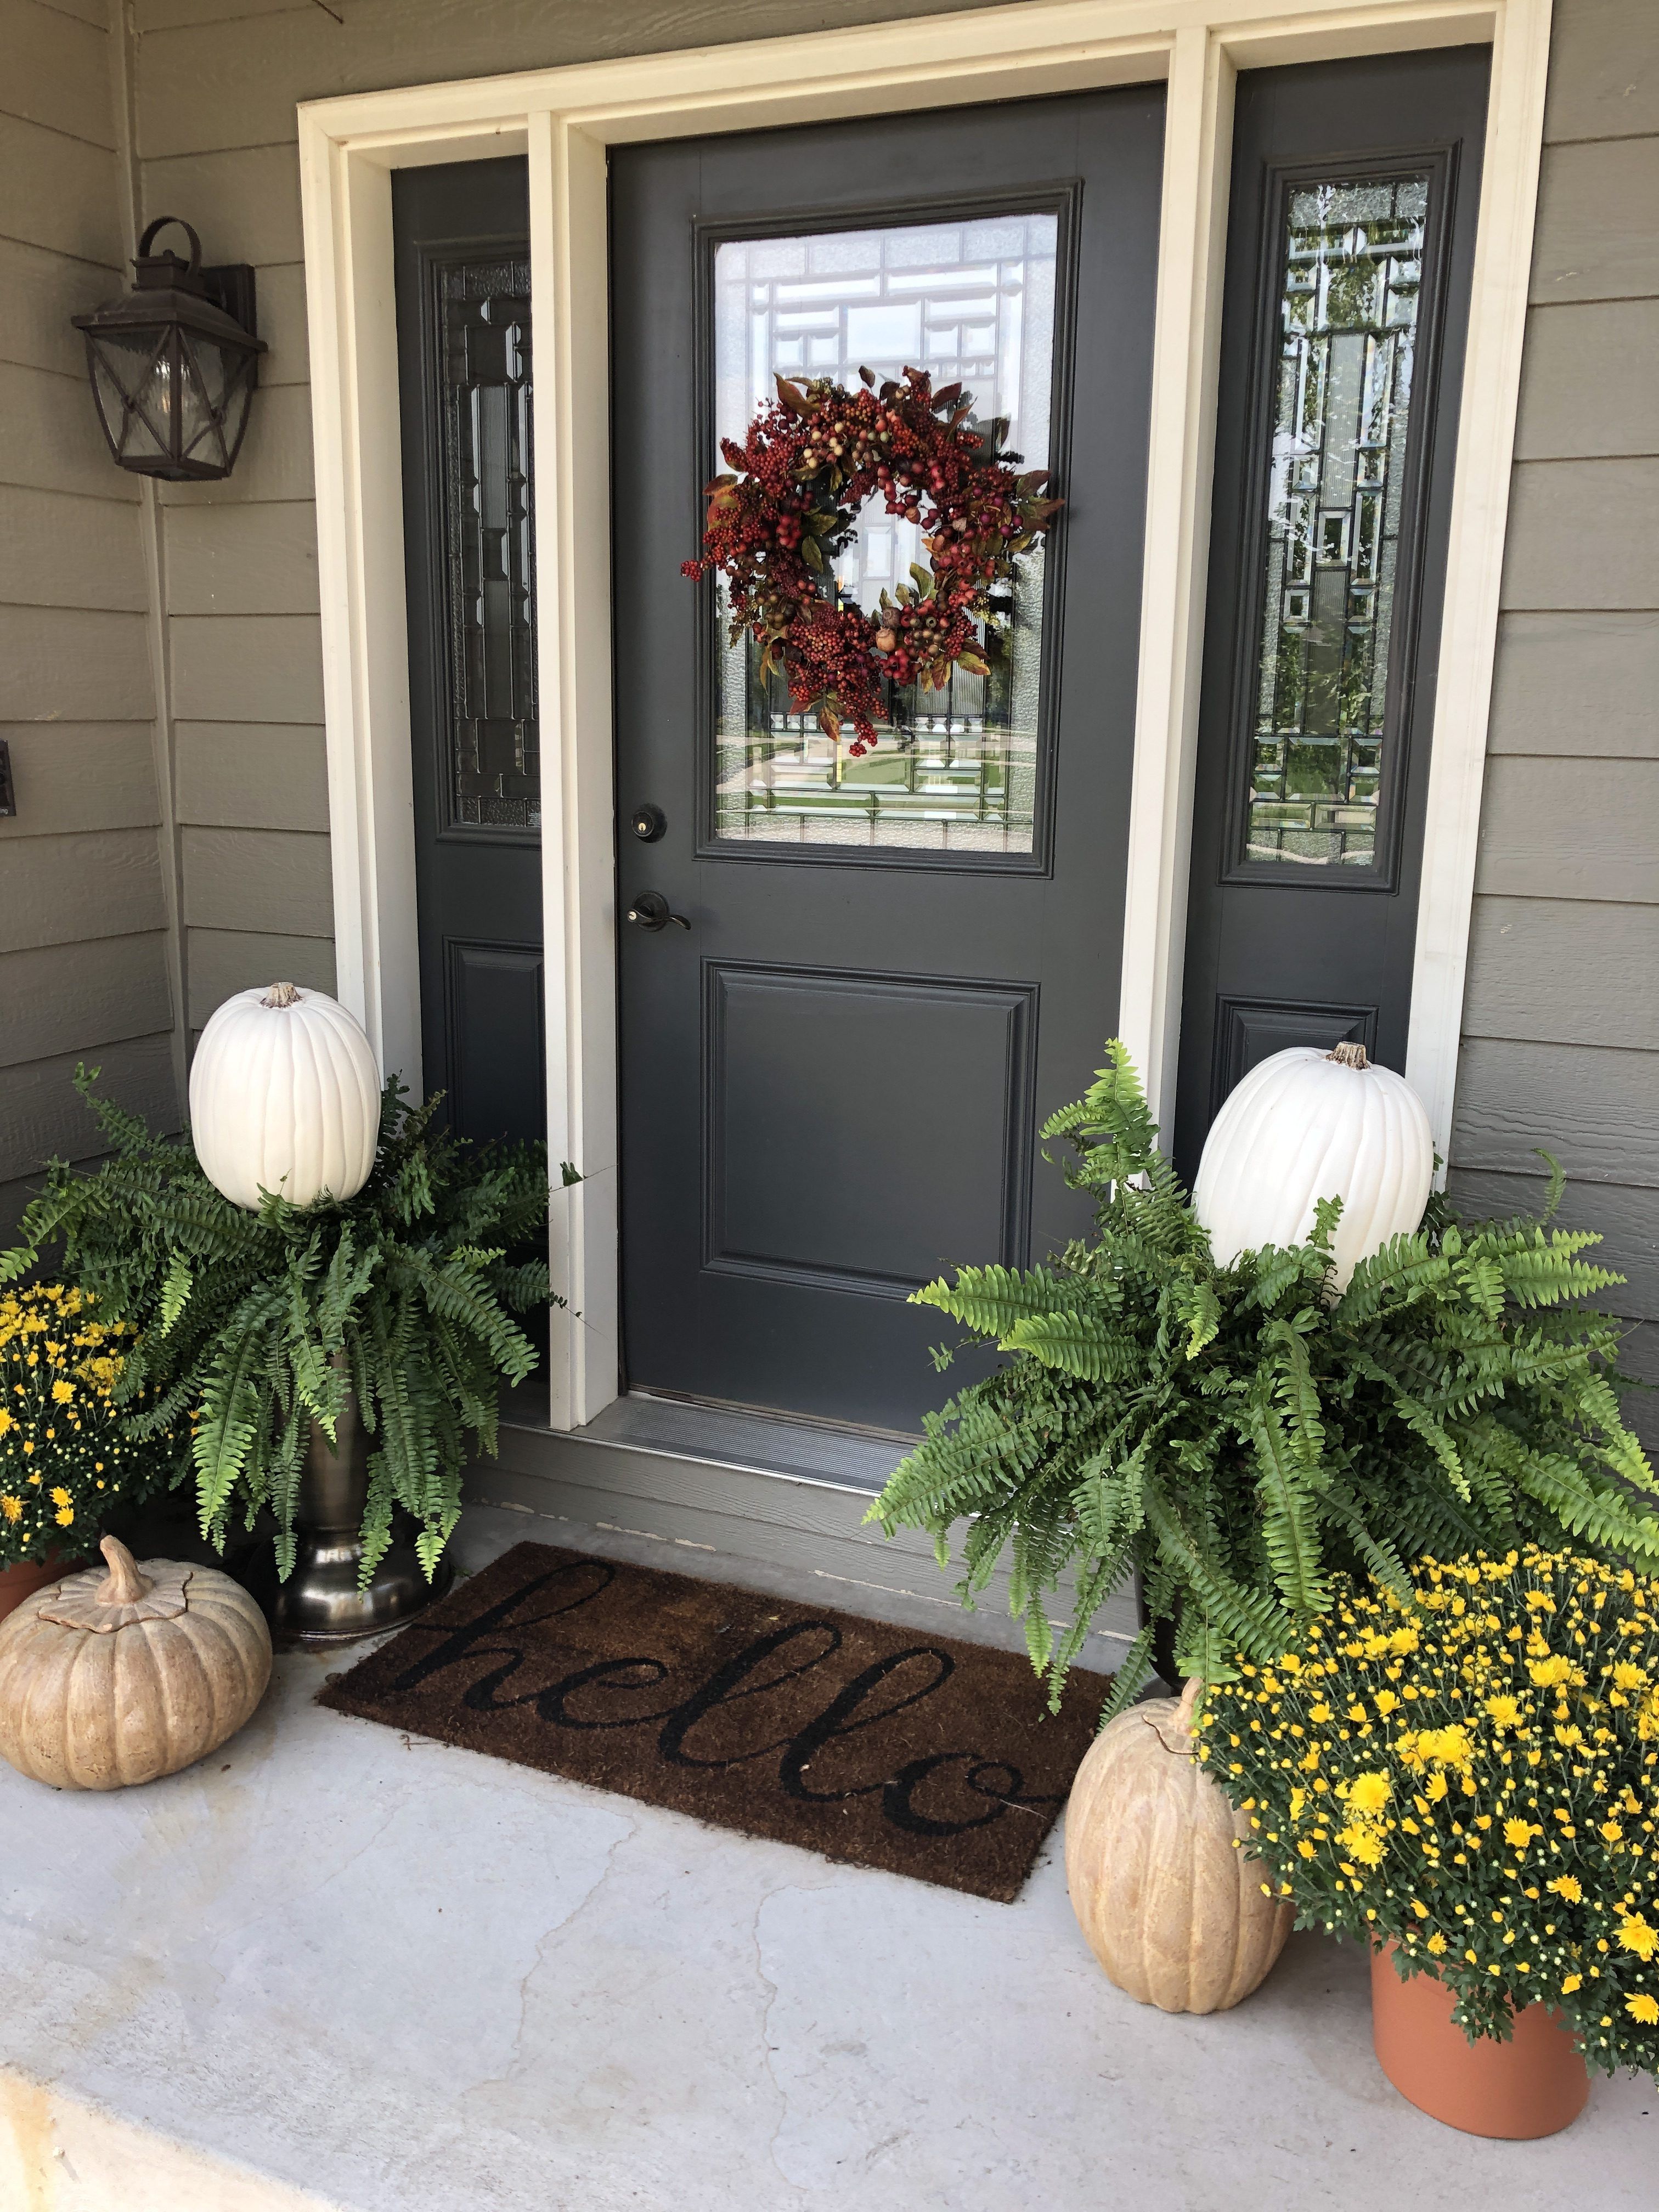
point(564, 119)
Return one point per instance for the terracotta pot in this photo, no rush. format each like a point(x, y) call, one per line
point(22, 1580)
point(1536, 2084)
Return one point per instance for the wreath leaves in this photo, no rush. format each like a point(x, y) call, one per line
point(808, 462)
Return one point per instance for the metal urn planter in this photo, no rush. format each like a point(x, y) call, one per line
point(320, 1604)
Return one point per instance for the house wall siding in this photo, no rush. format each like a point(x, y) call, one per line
point(84, 969)
point(1561, 1014)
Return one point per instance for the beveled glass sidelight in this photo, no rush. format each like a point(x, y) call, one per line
point(493, 756)
point(1350, 282)
point(173, 363)
point(972, 300)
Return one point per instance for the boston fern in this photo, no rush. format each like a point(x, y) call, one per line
point(252, 1325)
point(1235, 1436)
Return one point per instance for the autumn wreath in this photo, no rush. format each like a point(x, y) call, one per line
point(808, 462)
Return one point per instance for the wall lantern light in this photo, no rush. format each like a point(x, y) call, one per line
point(173, 363)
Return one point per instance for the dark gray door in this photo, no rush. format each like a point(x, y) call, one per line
point(463, 272)
point(896, 965)
point(1350, 246)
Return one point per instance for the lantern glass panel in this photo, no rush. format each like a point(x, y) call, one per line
point(123, 375)
point(198, 428)
point(236, 409)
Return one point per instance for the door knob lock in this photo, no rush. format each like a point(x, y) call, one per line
point(649, 823)
point(650, 911)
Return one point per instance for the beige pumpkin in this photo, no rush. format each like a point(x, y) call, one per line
point(112, 1679)
point(1171, 1909)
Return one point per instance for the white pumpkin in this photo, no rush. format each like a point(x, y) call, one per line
point(1307, 1125)
point(284, 1096)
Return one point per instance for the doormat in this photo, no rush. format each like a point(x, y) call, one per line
point(870, 1744)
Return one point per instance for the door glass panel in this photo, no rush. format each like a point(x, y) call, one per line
point(956, 769)
point(1351, 273)
point(492, 764)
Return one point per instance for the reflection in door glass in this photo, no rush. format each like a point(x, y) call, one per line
point(954, 770)
point(1352, 273)
point(493, 762)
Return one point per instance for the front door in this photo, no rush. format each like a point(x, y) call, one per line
point(1351, 241)
point(894, 966)
point(461, 238)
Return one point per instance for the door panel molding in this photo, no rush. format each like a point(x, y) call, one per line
point(514, 976)
point(1246, 1031)
point(805, 1111)
point(565, 118)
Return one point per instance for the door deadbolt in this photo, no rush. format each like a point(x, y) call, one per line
point(650, 911)
point(649, 823)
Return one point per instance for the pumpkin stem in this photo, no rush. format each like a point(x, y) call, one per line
point(1189, 1697)
point(1348, 1054)
point(123, 1585)
point(281, 994)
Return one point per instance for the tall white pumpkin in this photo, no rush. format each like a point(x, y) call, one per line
point(284, 1096)
point(1306, 1125)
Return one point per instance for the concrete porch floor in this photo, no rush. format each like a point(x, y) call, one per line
point(334, 1966)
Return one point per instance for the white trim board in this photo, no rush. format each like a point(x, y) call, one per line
point(565, 118)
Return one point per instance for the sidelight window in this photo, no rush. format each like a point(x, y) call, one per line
point(1350, 281)
point(492, 766)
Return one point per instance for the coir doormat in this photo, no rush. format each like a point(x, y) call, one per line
point(868, 1743)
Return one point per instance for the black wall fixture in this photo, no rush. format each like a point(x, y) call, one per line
point(173, 363)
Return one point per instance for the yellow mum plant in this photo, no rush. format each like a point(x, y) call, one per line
point(64, 1452)
point(1474, 1776)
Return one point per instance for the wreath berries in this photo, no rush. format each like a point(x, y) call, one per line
point(808, 462)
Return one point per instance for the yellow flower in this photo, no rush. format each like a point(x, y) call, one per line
point(64, 1516)
point(62, 1391)
point(59, 1497)
point(1548, 1672)
point(1572, 1982)
point(1305, 1850)
point(1644, 2009)
point(28, 1444)
point(1368, 1793)
point(1435, 1787)
point(1612, 1831)
point(1436, 1943)
point(1635, 1935)
point(1447, 1747)
point(1364, 1844)
point(11, 1507)
point(1319, 1712)
point(1517, 1834)
point(8, 1420)
point(1386, 1703)
point(1504, 1712)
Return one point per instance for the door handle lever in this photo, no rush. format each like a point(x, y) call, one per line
point(650, 910)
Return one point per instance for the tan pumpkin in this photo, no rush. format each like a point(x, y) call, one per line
point(112, 1679)
point(1173, 1912)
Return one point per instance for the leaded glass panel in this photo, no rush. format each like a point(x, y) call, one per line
point(492, 761)
point(956, 769)
point(1350, 278)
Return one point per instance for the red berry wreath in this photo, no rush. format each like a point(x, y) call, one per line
point(810, 460)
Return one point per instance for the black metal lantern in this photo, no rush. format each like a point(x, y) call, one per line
point(173, 363)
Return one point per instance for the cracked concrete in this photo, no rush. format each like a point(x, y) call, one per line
point(336, 1966)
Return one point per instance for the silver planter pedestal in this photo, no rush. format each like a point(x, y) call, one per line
point(321, 1605)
